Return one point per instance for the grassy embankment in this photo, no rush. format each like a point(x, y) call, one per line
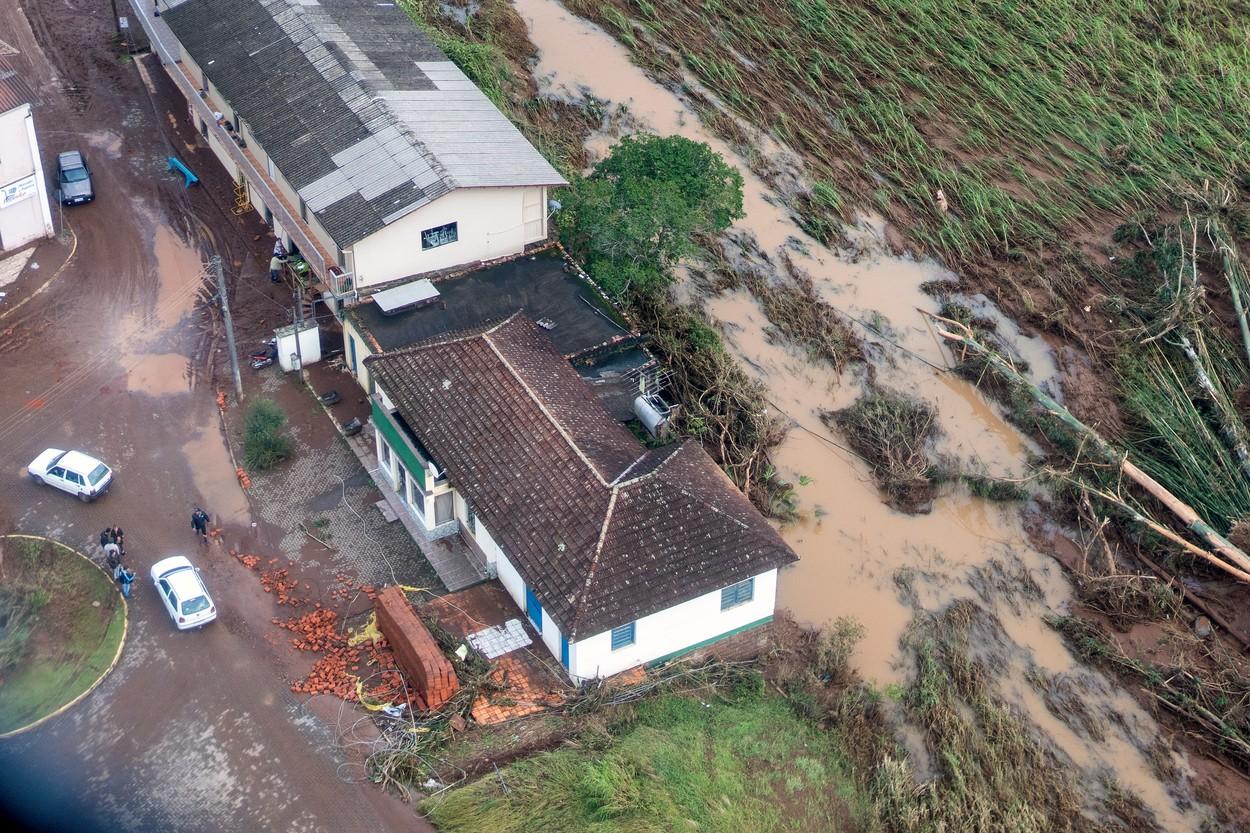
point(674, 763)
point(55, 642)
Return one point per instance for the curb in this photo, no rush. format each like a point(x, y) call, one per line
point(116, 657)
point(41, 288)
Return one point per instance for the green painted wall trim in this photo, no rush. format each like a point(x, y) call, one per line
point(394, 437)
point(748, 626)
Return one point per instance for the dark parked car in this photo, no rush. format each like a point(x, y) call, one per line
point(73, 178)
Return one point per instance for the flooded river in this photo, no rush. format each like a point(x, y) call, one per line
point(855, 551)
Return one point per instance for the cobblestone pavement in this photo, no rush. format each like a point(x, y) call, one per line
point(327, 492)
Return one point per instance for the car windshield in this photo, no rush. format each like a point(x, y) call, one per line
point(75, 174)
point(97, 474)
point(195, 605)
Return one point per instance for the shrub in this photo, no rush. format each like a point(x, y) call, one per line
point(264, 444)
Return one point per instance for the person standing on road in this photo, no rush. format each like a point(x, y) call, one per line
point(113, 557)
point(275, 267)
point(126, 578)
point(106, 537)
point(199, 522)
point(119, 538)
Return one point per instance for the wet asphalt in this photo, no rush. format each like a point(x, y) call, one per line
point(193, 731)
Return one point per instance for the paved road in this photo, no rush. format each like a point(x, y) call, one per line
point(193, 731)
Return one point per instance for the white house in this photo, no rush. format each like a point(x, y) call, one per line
point(620, 555)
point(24, 211)
point(354, 136)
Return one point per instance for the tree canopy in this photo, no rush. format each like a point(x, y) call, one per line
point(636, 214)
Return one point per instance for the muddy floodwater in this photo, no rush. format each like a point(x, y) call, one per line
point(857, 554)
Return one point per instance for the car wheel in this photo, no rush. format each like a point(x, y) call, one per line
point(84, 497)
point(37, 480)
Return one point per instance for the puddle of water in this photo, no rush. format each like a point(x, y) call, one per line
point(214, 477)
point(107, 141)
point(157, 374)
point(179, 272)
point(859, 558)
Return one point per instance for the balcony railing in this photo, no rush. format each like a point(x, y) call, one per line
point(163, 41)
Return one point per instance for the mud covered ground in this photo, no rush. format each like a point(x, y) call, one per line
point(106, 345)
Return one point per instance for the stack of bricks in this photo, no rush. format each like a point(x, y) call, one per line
point(415, 649)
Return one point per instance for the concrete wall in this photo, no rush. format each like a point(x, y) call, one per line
point(491, 223)
point(673, 630)
point(677, 629)
point(28, 216)
point(362, 349)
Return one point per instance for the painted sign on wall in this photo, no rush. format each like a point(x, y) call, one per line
point(15, 192)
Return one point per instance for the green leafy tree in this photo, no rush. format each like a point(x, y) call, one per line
point(635, 216)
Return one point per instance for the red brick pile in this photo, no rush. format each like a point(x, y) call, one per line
point(415, 649)
point(281, 585)
point(342, 664)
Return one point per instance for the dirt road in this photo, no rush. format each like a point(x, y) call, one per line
point(193, 731)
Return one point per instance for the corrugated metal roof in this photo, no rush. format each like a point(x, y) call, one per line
point(363, 114)
point(14, 91)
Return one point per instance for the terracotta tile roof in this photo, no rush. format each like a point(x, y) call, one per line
point(604, 530)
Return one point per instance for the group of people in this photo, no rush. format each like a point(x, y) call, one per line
point(113, 540)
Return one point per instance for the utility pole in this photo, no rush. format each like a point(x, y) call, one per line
point(299, 326)
point(225, 315)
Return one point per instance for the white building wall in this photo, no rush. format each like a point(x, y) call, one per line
point(670, 631)
point(510, 579)
point(491, 223)
point(23, 186)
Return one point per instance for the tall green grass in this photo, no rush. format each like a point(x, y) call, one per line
point(747, 766)
point(1030, 117)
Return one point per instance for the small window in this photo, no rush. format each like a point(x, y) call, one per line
point(418, 500)
point(444, 508)
point(303, 210)
point(623, 636)
point(401, 479)
point(470, 520)
point(386, 455)
point(432, 238)
point(737, 594)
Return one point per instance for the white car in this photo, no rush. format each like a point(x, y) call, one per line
point(71, 471)
point(178, 584)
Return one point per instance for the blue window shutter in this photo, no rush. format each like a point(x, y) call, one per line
point(623, 636)
point(736, 594)
point(533, 609)
point(564, 652)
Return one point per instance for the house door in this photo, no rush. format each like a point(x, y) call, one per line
point(533, 609)
point(564, 652)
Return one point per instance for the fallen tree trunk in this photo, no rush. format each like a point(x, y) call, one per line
point(1230, 558)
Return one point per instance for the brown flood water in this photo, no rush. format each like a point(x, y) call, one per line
point(853, 546)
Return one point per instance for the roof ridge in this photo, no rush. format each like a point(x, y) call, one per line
point(626, 483)
point(533, 395)
point(468, 334)
point(630, 467)
point(594, 562)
